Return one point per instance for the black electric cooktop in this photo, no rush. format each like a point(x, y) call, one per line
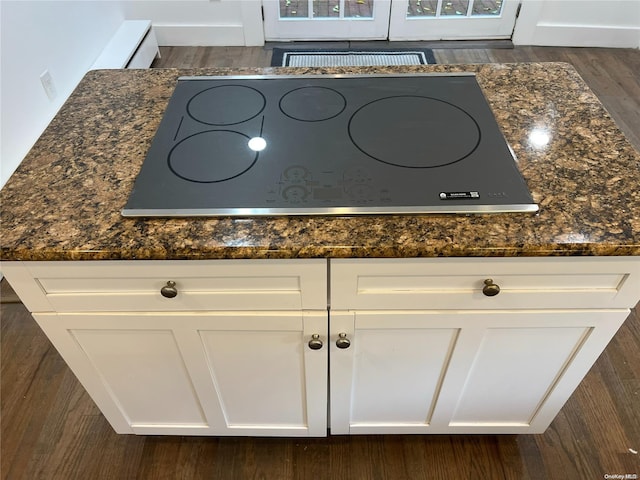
point(328, 145)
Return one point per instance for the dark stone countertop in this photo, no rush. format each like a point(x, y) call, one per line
point(64, 201)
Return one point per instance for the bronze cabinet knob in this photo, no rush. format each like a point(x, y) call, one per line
point(315, 343)
point(343, 341)
point(169, 290)
point(490, 289)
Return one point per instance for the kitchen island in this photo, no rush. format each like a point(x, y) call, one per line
point(218, 326)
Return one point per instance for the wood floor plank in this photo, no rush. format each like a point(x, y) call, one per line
point(30, 377)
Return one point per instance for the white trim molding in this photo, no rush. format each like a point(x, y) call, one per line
point(584, 23)
point(201, 23)
point(587, 35)
point(181, 35)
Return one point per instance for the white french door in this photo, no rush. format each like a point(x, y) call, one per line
point(388, 19)
point(452, 19)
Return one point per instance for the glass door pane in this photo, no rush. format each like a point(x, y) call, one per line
point(294, 9)
point(358, 9)
point(487, 7)
point(424, 8)
point(326, 8)
point(457, 7)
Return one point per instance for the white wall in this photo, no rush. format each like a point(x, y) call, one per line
point(200, 22)
point(64, 37)
point(579, 23)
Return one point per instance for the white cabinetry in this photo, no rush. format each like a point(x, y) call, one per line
point(440, 345)
point(430, 353)
point(227, 355)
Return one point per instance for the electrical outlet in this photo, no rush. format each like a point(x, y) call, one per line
point(47, 84)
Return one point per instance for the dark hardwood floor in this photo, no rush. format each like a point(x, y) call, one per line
point(52, 430)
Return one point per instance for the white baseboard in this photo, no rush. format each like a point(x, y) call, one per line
point(585, 36)
point(199, 35)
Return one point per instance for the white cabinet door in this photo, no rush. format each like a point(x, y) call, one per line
point(388, 379)
point(224, 373)
point(463, 371)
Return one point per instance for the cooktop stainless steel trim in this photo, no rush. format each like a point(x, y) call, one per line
point(330, 211)
point(332, 75)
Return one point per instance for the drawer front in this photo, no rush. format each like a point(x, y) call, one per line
point(198, 285)
point(458, 283)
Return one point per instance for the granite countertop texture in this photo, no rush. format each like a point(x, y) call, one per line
point(64, 201)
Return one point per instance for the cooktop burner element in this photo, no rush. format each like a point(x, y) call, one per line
point(226, 105)
point(212, 156)
point(328, 145)
point(428, 132)
point(312, 104)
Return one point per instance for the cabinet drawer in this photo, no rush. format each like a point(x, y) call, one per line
point(200, 285)
point(457, 283)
